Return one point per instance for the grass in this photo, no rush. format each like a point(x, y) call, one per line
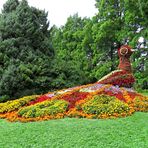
point(129, 132)
point(144, 92)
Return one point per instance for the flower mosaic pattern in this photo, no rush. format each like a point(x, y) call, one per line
point(81, 102)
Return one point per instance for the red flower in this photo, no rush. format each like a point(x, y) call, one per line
point(40, 99)
point(74, 97)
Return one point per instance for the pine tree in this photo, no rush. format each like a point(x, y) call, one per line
point(25, 50)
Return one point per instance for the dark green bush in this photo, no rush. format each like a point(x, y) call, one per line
point(4, 98)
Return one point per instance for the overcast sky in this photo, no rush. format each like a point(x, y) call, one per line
point(59, 10)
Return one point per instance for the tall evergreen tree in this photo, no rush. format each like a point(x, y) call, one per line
point(25, 49)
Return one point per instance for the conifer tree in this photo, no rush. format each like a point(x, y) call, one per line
point(25, 50)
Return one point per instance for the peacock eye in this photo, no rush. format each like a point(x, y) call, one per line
point(123, 51)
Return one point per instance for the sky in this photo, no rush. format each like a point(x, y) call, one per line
point(60, 10)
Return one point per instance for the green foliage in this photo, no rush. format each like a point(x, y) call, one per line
point(4, 98)
point(102, 69)
point(71, 63)
point(25, 50)
point(34, 59)
point(10, 6)
point(45, 108)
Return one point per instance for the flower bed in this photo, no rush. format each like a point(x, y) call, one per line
point(103, 104)
point(74, 97)
point(88, 101)
point(10, 106)
point(45, 108)
point(40, 99)
point(118, 77)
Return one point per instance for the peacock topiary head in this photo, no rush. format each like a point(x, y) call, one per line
point(125, 51)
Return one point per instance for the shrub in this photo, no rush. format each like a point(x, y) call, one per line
point(45, 108)
point(16, 104)
point(4, 98)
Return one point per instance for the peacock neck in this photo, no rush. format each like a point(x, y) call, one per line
point(125, 64)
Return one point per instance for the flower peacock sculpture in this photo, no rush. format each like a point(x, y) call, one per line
point(110, 97)
point(123, 76)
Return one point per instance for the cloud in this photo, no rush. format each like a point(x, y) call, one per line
point(60, 10)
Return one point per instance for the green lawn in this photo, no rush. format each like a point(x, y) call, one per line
point(144, 93)
point(129, 132)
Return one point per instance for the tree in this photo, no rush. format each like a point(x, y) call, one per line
point(10, 6)
point(25, 50)
point(70, 65)
point(136, 28)
point(122, 22)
